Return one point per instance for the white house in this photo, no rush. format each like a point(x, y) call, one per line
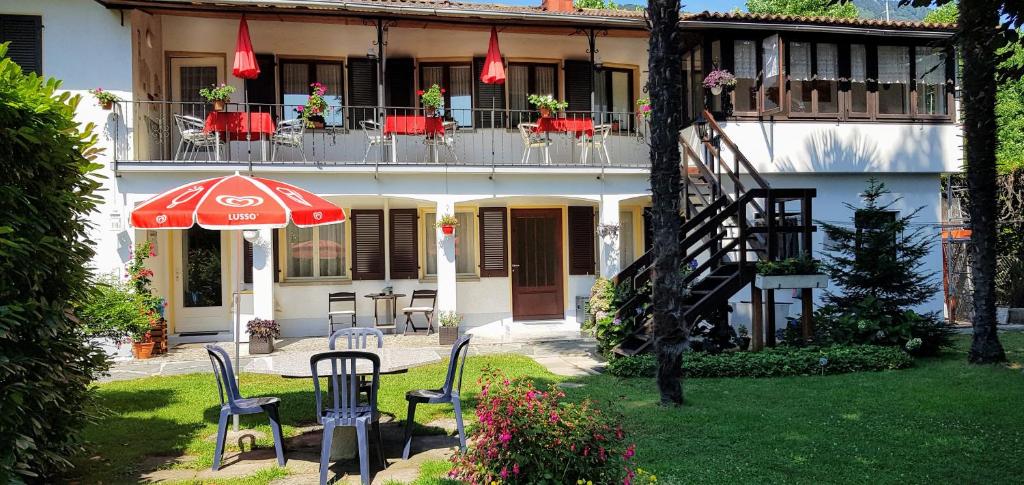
point(820, 104)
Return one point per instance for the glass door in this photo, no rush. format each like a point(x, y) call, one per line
point(188, 76)
point(202, 288)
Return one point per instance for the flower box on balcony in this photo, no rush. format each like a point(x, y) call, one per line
point(779, 282)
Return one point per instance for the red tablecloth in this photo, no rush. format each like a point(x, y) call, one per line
point(236, 125)
point(413, 125)
point(576, 126)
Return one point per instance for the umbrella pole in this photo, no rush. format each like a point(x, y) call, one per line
point(238, 312)
point(248, 125)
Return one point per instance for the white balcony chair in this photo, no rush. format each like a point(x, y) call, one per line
point(289, 134)
point(533, 140)
point(375, 138)
point(598, 143)
point(447, 140)
point(192, 139)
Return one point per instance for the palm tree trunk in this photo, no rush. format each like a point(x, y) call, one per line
point(978, 20)
point(664, 84)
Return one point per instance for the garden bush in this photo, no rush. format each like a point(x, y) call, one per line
point(47, 193)
point(527, 436)
point(113, 310)
point(776, 362)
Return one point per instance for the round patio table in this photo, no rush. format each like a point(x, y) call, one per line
point(296, 364)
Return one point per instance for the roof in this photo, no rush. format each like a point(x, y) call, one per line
point(742, 17)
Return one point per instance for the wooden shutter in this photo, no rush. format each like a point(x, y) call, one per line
point(488, 97)
point(247, 262)
point(276, 257)
point(578, 79)
point(367, 244)
point(404, 250)
point(25, 33)
point(399, 86)
point(362, 89)
point(581, 240)
point(493, 241)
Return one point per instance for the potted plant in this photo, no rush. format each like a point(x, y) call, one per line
point(546, 104)
point(643, 108)
point(431, 99)
point(261, 335)
point(448, 330)
point(718, 79)
point(113, 311)
point(106, 99)
point(802, 272)
point(447, 223)
point(218, 96)
point(315, 108)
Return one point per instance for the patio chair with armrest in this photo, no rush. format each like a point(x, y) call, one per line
point(427, 311)
point(598, 143)
point(448, 393)
point(232, 403)
point(531, 140)
point(289, 134)
point(447, 140)
point(375, 138)
point(191, 135)
point(336, 300)
point(344, 408)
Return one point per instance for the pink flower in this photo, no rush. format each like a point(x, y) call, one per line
point(515, 469)
point(530, 395)
point(504, 473)
point(554, 417)
point(505, 437)
point(630, 452)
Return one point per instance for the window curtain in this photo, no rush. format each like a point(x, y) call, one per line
point(770, 61)
point(465, 233)
point(893, 64)
point(931, 65)
point(518, 87)
point(432, 75)
point(828, 62)
point(300, 251)
point(332, 250)
point(625, 239)
point(545, 80)
point(858, 63)
point(744, 59)
point(800, 61)
point(295, 79)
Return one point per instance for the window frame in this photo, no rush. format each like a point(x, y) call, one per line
point(729, 60)
point(911, 92)
point(446, 86)
point(815, 112)
point(531, 86)
point(346, 274)
point(607, 71)
point(470, 214)
point(311, 63)
point(947, 85)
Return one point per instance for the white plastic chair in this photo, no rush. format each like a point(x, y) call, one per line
point(375, 138)
point(533, 140)
point(289, 134)
point(192, 138)
point(599, 143)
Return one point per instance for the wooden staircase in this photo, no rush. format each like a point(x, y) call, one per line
point(727, 228)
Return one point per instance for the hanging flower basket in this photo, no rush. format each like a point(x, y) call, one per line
point(719, 79)
point(106, 99)
point(447, 224)
point(142, 350)
point(448, 230)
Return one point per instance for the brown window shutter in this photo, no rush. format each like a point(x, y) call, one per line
point(247, 262)
point(25, 33)
point(404, 250)
point(493, 241)
point(367, 244)
point(581, 240)
point(276, 257)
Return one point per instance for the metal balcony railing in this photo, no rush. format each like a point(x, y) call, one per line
point(190, 133)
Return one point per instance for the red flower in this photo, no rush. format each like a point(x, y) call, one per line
point(419, 92)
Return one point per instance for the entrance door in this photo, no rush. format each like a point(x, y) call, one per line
point(537, 264)
point(188, 76)
point(201, 289)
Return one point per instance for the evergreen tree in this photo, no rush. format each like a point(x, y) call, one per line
point(880, 258)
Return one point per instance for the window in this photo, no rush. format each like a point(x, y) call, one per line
point(315, 252)
point(930, 68)
point(696, 85)
point(813, 79)
point(771, 69)
point(582, 240)
point(296, 77)
point(801, 84)
point(893, 80)
point(524, 80)
point(367, 226)
point(465, 243)
point(625, 239)
point(493, 241)
point(25, 33)
point(857, 105)
point(457, 81)
point(745, 70)
point(613, 97)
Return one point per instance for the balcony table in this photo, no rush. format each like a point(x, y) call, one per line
point(240, 126)
point(578, 127)
point(413, 125)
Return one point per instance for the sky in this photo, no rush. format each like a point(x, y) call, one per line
point(688, 5)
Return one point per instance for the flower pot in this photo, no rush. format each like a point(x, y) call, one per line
point(1002, 315)
point(448, 230)
point(447, 335)
point(218, 105)
point(107, 105)
point(779, 282)
point(142, 350)
point(545, 112)
point(716, 90)
point(430, 111)
point(259, 345)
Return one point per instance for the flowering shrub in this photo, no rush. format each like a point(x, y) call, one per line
point(719, 77)
point(217, 93)
point(316, 105)
point(140, 278)
point(643, 107)
point(547, 102)
point(263, 329)
point(527, 436)
point(432, 98)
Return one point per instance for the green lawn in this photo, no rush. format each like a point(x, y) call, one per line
point(942, 420)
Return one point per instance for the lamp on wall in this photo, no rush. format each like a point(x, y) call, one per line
point(371, 52)
point(251, 235)
point(702, 126)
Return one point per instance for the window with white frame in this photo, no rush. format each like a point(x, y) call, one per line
point(315, 252)
point(465, 243)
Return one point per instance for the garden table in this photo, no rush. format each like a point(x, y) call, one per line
point(414, 125)
point(578, 127)
point(240, 126)
point(390, 307)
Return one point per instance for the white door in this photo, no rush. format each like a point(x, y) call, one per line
point(202, 290)
point(188, 76)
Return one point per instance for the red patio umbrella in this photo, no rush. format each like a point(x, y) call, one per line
point(235, 202)
point(494, 69)
point(245, 67)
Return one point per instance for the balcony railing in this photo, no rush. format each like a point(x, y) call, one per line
point(185, 133)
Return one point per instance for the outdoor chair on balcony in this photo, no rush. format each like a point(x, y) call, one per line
point(375, 138)
point(531, 140)
point(338, 308)
point(232, 403)
point(289, 134)
point(598, 143)
point(448, 393)
point(427, 311)
point(447, 141)
point(192, 139)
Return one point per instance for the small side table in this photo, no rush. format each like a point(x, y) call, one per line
point(390, 307)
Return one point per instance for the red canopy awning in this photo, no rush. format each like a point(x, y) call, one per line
point(245, 66)
point(494, 69)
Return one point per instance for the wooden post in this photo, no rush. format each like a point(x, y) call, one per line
point(807, 313)
point(769, 325)
point(757, 319)
point(806, 294)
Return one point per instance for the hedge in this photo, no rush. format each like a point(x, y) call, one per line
point(781, 361)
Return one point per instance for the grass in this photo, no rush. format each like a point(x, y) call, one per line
point(943, 420)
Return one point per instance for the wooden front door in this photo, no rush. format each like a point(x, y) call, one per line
point(537, 264)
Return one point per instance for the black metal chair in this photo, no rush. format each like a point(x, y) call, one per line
point(344, 407)
point(232, 403)
point(449, 393)
point(340, 298)
point(427, 311)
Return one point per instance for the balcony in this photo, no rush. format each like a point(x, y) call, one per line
point(190, 135)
